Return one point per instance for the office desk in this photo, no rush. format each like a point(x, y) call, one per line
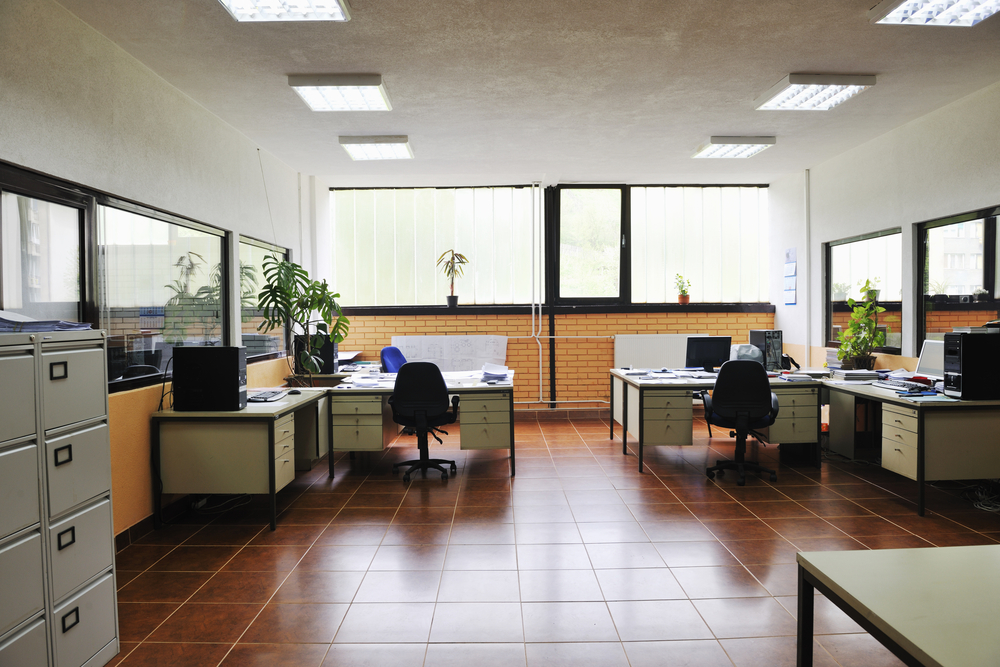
point(244, 451)
point(661, 414)
point(925, 441)
point(933, 606)
point(361, 419)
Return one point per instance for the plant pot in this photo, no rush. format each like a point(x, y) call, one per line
point(863, 363)
point(684, 299)
point(847, 364)
point(328, 353)
point(980, 298)
point(452, 301)
point(939, 298)
point(840, 296)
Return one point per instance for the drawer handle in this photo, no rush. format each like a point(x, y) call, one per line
point(75, 613)
point(284, 460)
point(897, 421)
point(62, 373)
point(71, 531)
point(286, 431)
point(898, 436)
point(66, 451)
point(898, 450)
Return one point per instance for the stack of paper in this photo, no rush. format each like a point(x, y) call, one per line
point(841, 374)
point(28, 325)
point(494, 372)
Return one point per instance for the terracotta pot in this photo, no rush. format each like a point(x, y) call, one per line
point(683, 299)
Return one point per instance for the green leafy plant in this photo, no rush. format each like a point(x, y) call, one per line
point(202, 306)
point(862, 335)
point(682, 285)
point(452, 264)
point(840, 291)
point(290, 296)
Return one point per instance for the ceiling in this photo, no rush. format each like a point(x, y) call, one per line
point(494, 93)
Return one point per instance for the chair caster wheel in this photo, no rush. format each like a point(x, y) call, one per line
point(395, 470)
point(454, 468)
point(721, 473)
point(406, 477)
point(444, 476)
point(773, 477)
point(741, 481)
point(711, 475)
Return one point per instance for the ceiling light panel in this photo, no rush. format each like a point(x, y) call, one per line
point(287, 10)
point(733, 147)
point(341, 92)
point(378, 148)
point(812, 92)
point(962, 13)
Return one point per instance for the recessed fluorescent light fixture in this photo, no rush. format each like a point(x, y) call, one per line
point(287, 10)
point(733, 147)
point(341, 92)
point(378, 148)
point(963, 13)
point(812, 92)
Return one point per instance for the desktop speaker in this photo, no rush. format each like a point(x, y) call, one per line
point(971, 365)
point(768, 341)
point(210, 378)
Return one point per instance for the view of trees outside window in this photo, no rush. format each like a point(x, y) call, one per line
point(590, 241)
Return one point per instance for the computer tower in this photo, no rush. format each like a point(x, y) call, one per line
point(209, 378)
point(971, 365)
point(768, 341)
point(327, 354)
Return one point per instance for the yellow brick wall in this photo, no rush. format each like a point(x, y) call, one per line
point(945, 320)
point(581, 363)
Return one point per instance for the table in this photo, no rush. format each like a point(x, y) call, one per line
point(931, 606)
point(361, 419)
point(241, 451)
point(659, 412)
point(922, 440)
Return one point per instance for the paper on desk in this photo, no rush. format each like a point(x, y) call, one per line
point(850, 381)
point(938, 398)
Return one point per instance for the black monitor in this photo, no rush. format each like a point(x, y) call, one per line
point(707, 352)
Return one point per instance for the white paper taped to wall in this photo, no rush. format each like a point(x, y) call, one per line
point(454, 353)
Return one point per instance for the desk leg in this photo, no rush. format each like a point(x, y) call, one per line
point(271, 481)
point(329, 436)
point(641, 422)
point(612, 404)
point(921, 472)
point(512, 432)
point(804, 643)
point(157, 483)
point(624, 419)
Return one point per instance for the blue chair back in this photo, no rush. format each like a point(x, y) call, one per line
point(392, 359)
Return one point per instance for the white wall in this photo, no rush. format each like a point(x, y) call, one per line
point(75, 106)
point(942, 164)
point(787, 229)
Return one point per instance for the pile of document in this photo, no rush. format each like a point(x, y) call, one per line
point(494, 373)
point(28, 325)
point(860, 375)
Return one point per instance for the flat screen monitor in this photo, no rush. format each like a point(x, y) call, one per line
point(707, 352)
point(931, 362)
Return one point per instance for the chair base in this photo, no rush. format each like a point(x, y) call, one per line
point(423, 463)
point(741, 468)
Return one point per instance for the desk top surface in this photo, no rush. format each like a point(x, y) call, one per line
point(458, 382)
point(939, 604)
point(864, 390)
point(273, 409)
point(671, 379)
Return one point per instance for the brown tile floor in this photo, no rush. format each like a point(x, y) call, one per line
point(579, 560)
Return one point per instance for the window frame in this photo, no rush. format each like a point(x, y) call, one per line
point(286, 255)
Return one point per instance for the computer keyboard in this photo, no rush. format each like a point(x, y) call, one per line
point(267, 396)
point(901, 385)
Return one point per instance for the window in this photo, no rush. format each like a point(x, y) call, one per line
point(41, 245)
point(252, 254)
point(161, 285)
point(951, 268)
point(591, 241)
point(850, 262)
point(387, 242)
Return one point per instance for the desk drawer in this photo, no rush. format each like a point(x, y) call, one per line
point(81, 547)
point(20, 580)
point(899, 436)
point(667, 432)
point(899, 458)
point(27, 648)
point(668, 414)
point(356, 405)
point(473, 418)
point(348, 438)
point(796, 398)
point(793, 429)
point(355, 421)
point(797, 412)
point(285, 446)
point(284, 470)
point(473, 403)
point(654, 400)
point(284, 426)
point(79, 467)
point(484, 436)
point(899, 417)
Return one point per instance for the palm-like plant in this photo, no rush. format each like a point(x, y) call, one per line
point(451, 264)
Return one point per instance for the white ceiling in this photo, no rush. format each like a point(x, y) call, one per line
point(494, 93)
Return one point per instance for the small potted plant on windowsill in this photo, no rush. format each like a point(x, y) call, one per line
point(683, 286)
point(452, 264)
point(980, 295)
point(862, 335)
point(840, 291)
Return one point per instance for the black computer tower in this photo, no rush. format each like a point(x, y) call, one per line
point(972, 365)
point(327, 354)
point(209, 378)
point(768, 341)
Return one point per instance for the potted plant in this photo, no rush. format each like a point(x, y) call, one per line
point(452, 264)
point(290, 296)
point(980, 294)
point(862, 335)
point(683, 286)
point(939, 291)
point(840, 291)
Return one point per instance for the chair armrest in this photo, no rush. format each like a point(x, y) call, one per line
point(707, 400)
point(454, 405)
point(774, 406)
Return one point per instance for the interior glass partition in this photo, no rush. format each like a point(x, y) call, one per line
point(252, 254)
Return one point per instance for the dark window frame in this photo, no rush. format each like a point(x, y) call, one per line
point(286, 254)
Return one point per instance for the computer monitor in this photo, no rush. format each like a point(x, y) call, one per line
point(707, 351)
point(931, 362)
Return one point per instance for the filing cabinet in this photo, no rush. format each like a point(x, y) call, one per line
point(57, 594)
point(484, 420)
point(798, 415)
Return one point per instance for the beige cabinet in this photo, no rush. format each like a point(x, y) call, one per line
point(484, 420)
point(798, 415)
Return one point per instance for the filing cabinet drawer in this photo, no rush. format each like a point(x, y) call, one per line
point(284, 427)
point(358, 438)
point(356, 405)
point(484, 436)
point(27, 648)
point(356, 421)
point(899, 458)
point(899, 436)
point(81, 547)
point(667, 432)
point(85, 623)
point(473, 418)
point(17, 395)
point(18, 488)
point(797, 412)
point(284, 470)
point(20, 580)
point(899, 417)
point(79, 467)
point(286, 446)
point(473, 403)
point(668, 414)
point(661, 400)
point(72, 386)
point(793, 430)
point(796, 398)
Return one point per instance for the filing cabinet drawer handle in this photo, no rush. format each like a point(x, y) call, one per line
point(71, 532)
point(898, 450)
point(67, 455)
point(75, 613)
point(62, 373)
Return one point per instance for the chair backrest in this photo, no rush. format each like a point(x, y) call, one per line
point(392, 359)
point(419, 388)
point(742, 387)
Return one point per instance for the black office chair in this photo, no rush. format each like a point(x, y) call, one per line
point(420, 400)
point(742, 400)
